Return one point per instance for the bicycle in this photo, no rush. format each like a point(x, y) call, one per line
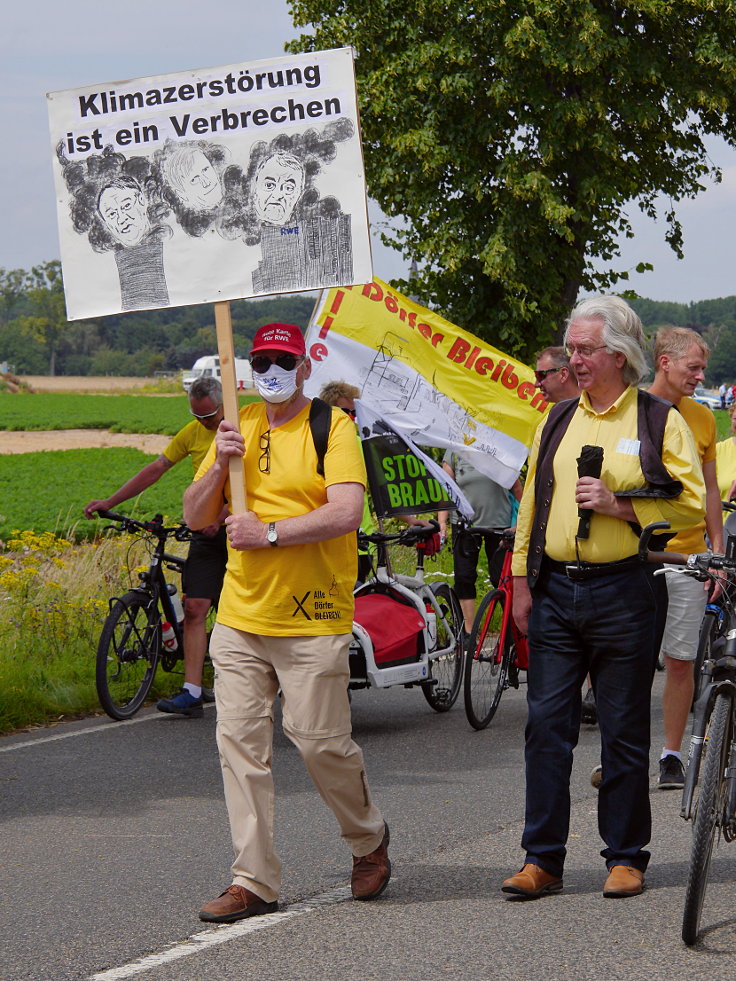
point(142, 627)
point(406, 631)
point(713, 739)
point(716, 616)
point(497, 650)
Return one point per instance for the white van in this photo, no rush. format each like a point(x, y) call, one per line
point(209, 367)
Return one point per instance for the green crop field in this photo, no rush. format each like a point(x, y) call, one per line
point(119, 413)
point(47, 491)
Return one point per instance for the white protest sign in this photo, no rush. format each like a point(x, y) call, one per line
point(210, 185)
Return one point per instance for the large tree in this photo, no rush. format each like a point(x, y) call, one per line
point(510, 135)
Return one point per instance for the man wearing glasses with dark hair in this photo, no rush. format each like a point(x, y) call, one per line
point(284, 623)
point(555, 377)
point(207, 557)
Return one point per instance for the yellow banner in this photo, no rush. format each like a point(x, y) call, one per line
point(446, 386)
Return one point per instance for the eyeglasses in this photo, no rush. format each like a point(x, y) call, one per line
point(350, 412)
point(264, 460)
point(585, 350)
point(207, 415)
point(541, 373)
point(260, 363)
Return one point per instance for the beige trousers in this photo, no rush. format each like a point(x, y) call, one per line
point(312, 673)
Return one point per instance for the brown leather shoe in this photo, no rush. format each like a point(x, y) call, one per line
point(623, 881)
point(531, 882)
point(371, 872)
point(235, 903)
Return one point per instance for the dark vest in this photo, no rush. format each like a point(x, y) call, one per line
point(652, 413)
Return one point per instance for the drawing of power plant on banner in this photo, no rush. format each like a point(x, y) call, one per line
point(412, 404)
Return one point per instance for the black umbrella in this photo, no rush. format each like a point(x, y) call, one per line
point(590, 464)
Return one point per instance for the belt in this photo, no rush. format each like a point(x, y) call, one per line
point(582, 571)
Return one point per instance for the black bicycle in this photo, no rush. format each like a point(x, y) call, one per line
point(711, 802)
point(145, 625)
point(716, 618)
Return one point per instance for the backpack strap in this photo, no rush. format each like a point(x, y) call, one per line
point(320, 421)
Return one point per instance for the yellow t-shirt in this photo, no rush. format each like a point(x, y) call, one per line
point(616, 430)
point(292, 590)
point(194, 441)
point(725, 465)
point(702, 424)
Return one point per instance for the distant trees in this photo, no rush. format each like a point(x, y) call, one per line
point(37, 339)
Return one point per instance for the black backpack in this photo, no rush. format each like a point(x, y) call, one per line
point(320, 420)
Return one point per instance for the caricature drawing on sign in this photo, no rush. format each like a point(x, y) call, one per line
point(303, 237)
point(202, 190)
point(278, 185)
point(115, 203)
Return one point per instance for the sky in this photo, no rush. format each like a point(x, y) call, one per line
point(50, 46)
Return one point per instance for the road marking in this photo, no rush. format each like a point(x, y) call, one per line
point(222, 934)
point(85, 732)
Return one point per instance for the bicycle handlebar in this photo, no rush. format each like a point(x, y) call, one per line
point(698, 563)
point(156, 526)
point(413, 535)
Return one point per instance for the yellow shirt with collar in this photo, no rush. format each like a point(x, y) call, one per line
point(616, 430)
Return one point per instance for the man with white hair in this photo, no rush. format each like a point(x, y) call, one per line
point(587, 600)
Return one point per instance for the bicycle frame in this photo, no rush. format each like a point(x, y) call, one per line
point(152, 581)
point(506, 585)
point(719, 678)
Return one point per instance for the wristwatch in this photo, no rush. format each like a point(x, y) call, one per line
point(272, 536)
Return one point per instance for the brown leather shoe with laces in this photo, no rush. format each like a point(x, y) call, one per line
point(531, 882)
point(235, 903)
point(371, 872)
point(623, 881)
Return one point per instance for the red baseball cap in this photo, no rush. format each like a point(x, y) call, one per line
point(279, 337)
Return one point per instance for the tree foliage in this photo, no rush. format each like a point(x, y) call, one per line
point(510, 135)
point(37, 339)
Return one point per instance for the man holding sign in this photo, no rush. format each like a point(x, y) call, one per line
point(285, 622)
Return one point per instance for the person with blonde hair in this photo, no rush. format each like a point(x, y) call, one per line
point(680, 360)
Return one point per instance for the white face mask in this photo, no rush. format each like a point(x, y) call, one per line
point(276, 384)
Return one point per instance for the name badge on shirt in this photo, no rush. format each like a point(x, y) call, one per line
point(628, 446)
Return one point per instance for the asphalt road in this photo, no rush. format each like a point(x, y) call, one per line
point(113, 835)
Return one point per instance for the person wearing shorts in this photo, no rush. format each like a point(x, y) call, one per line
point(680, 358)
point(207, 558)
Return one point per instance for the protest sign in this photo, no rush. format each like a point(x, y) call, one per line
point(403, 479)
point(425, 377)
point(210, 185)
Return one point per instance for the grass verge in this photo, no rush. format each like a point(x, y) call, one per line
point(53, 602)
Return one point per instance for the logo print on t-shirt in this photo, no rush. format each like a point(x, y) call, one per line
point(333, 586)
point(300, 604)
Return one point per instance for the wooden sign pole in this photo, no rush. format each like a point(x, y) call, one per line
point(224, 328)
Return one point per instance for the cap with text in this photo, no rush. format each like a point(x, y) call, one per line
point(279, 337)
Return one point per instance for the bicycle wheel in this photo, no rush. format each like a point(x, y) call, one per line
point(709, 632)
point(446, 671)
point(487, 661)
point(709, 815)
point(127, 654)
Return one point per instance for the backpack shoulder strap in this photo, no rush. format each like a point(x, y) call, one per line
point(320, 421)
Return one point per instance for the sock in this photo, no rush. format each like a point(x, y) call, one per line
point(670, 752)
point(194, 690)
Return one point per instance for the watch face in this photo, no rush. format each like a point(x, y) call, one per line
point(271, 535)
